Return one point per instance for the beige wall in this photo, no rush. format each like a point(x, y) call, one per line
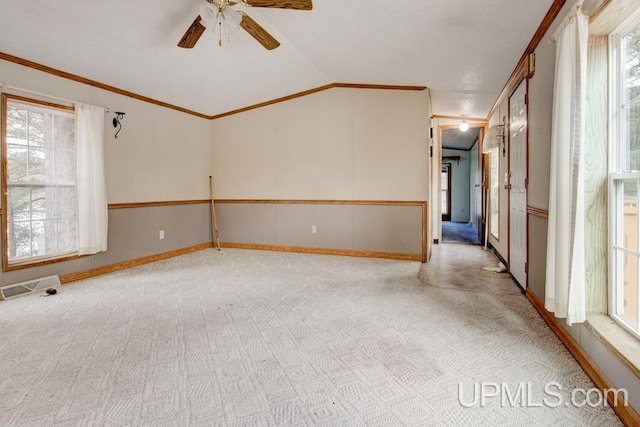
point(353, 144)
point(160, 154)
point(338, 144)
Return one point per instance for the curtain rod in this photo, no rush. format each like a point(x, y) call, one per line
point(44, 95)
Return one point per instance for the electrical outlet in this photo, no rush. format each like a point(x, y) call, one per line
point(161, 233)
point(314, 229)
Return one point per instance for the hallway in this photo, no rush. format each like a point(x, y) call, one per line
point(459, 232)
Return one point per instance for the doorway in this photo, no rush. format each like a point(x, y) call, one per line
point(460, 185)
point(445, 193)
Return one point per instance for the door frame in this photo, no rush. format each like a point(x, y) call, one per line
point(478, 188)
point(475, 124)
point(484, 228)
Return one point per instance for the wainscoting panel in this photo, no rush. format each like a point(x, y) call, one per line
point(184, 226)
point(359, 228)
point(333, 225)
point(247, 223)
point(388, 228)
point(537, 254)
point(350, 226)
point(133, 234)
point(130, 236)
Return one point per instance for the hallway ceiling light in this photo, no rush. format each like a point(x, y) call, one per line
point(464, 125)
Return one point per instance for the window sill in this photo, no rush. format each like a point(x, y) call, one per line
point(621, 343)
point(40, 262)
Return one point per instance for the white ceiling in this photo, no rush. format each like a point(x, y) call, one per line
point(457, 140)
point(464, 51)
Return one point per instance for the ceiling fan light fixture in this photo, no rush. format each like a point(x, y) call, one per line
point(464, 125)
point(231, 18)
point(220, 19)
point(209, 14)
point(219, 16)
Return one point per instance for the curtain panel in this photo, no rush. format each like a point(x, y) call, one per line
point(565, 276)
point(91, 184)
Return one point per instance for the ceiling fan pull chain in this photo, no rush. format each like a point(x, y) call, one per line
point(220, 18)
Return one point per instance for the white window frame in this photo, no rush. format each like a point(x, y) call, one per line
point(617, 173)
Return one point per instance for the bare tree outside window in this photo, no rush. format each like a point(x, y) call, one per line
point(40, 181)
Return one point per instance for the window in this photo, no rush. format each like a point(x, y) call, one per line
point(625, 177)
point(39, 181)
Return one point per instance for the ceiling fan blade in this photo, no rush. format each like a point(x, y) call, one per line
point(282, 4)
point(192, 35)
point(258, 33)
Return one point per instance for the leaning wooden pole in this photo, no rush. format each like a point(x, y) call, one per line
point(214, 221)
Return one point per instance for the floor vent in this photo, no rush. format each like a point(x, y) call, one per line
point(29, 286)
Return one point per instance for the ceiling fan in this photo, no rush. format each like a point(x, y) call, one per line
point(220, 17)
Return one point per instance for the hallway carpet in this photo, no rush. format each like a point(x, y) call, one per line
point(459, 232)
point(251, 338)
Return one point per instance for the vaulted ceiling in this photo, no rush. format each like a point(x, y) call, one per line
point(464, 51)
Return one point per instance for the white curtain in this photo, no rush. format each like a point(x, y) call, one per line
point(91, 185)
point(565, 279)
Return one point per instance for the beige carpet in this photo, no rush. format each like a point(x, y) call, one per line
point(244, 338)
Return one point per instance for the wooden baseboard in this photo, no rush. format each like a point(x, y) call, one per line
point(625, 412)
point(325, 251)
point(72, 277)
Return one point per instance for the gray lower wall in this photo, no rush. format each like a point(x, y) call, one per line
point(133, 233)
point(617, 373)
point(349, 227)
point(537, 261)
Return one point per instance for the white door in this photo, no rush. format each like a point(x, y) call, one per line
point(518, 192)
